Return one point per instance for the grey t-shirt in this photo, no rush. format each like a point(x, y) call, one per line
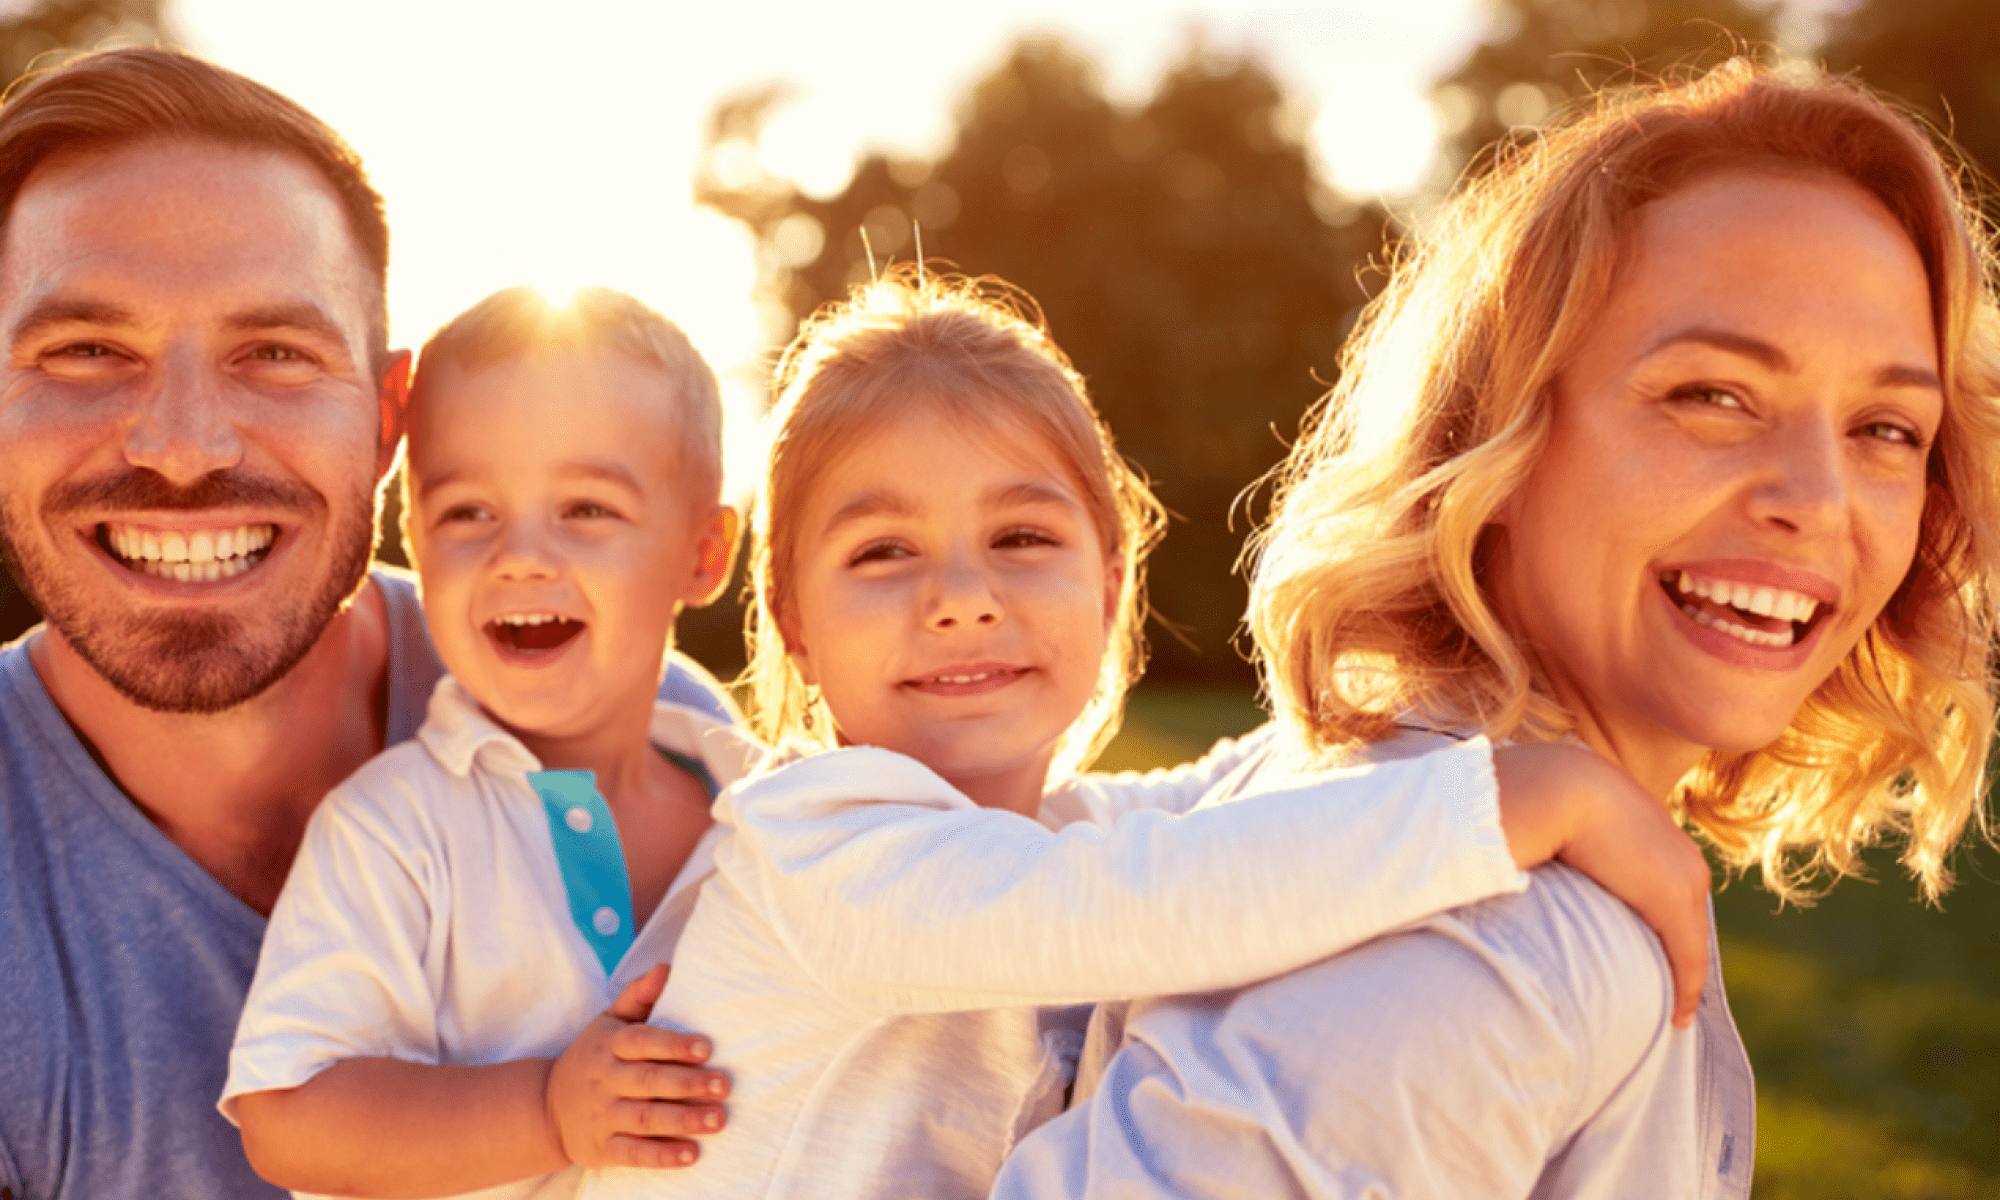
point(123, 965)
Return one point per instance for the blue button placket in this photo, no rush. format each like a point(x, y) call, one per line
point(591, 860)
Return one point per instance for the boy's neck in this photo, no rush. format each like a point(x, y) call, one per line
point(619, 752)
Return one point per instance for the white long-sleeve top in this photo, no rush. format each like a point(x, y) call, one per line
point(1514, 1048)
point(875, 954)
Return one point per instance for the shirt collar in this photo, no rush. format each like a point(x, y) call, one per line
point(457, 732)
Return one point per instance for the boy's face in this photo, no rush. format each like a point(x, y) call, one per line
point(557, 537)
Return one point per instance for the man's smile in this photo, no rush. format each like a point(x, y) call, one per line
point(187, 555)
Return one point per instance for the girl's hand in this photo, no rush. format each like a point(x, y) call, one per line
point(629, 1094)
point(1566, 803)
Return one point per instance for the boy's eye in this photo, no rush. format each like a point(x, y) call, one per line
point(589, 510)
point(463, 512)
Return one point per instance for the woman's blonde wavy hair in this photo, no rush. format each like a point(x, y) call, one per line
point(977, 352)
point(1367, 597)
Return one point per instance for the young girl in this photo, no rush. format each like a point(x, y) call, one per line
point(948, 578)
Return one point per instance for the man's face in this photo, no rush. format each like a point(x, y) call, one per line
point(190, 428)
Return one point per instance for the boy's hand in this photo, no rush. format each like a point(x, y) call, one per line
point(629, 1094)
point(1564, 802)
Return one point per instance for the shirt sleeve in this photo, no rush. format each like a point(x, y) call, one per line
point(1471, 1056)
point(913, 899)
point(688, 682)
point(1105, 797)
point(343, 972)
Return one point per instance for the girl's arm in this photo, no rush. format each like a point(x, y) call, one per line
point(913, 899)
point(389, 1128)
point(335, 1076)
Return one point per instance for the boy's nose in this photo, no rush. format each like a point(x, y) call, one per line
point(524, 553)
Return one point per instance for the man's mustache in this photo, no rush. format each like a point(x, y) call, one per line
point(143, 490)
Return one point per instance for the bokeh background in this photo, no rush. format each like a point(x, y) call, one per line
point(1200, 197)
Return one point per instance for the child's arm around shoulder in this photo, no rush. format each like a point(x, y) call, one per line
point(894, 890)
point(334, 1075)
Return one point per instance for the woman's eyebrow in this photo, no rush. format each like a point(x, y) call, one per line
point(1768, 355)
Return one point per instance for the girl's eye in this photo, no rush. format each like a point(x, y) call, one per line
point(883, 550)
point(1706, 394)
point(1022, 536)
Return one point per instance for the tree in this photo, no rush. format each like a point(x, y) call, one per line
point(24, 42)
point(1542, 54)
point(1183, 253)
point(1939, 56)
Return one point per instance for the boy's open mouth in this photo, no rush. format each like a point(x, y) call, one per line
point(187, 556)
point(1761, 616)
point(532, 633)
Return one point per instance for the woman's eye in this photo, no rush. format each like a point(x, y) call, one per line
point(1893, 432)
point(1707, 394)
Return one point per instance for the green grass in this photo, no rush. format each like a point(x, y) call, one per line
point(1873, 1021)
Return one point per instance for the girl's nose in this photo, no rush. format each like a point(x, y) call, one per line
point(964, 596)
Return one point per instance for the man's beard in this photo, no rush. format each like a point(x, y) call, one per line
point(198, 662)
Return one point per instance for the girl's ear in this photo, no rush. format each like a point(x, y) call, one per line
point(795, 647)
point(1114, 585)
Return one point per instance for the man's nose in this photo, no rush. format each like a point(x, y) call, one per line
point(184, 427)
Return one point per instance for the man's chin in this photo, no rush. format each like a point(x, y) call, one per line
point(190, 663)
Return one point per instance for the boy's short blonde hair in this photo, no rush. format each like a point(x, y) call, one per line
point(520, 319)
point(976, 351)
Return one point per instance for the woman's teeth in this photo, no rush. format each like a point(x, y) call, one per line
point(1793, 609)
point(189, 556)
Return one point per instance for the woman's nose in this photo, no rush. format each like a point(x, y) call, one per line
point(963, 596)
point(1806, 485)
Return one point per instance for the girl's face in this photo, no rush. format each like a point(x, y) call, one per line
point(951, 599)
point(1735, 469)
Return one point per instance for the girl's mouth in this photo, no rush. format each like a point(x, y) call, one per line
point(532, 633)
point(1755, 614)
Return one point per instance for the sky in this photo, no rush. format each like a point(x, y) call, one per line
point(554, 144)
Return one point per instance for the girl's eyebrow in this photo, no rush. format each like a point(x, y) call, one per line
point(876, 502)
point(1031, 492)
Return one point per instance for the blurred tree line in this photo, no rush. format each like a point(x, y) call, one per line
point(1184, 250)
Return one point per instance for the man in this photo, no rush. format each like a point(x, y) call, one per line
point(197, 404)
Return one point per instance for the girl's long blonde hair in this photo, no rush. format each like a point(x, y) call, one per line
point(1367, 598)
point(977, 352)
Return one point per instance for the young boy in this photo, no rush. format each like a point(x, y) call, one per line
point(421, 1021)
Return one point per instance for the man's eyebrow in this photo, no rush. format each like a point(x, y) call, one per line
point(292, 314)
point(876, 502)
point(1762, 352)
point(69, 310)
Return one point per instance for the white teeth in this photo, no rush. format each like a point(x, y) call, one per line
point(1742, 633)
point(1780, 604)
point(535, 618)
point(199, 556)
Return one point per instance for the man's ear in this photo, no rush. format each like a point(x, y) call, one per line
point(715, 555)
point(395, 402)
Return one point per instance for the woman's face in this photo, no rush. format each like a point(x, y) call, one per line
point(1735, 469)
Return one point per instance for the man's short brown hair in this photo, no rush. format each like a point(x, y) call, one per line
point(112, 97)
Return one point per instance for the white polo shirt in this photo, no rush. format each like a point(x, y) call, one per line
point(453, 903)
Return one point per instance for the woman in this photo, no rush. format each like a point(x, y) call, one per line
point(1678, 440)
